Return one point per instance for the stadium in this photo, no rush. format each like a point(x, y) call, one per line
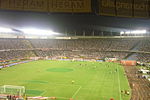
point(74, 50)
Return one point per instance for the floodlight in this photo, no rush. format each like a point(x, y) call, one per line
point(121, 32)
point(32, 31)
point(139, 32)
point(6, 30)
point(128, 32)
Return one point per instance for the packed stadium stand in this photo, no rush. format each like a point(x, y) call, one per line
point(100, 48)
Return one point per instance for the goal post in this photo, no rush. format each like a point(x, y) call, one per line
point(13, 90)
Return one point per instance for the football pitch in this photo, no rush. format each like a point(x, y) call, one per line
point(69, 79)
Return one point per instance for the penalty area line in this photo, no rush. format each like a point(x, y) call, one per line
point(76, 92)
point(43, 92)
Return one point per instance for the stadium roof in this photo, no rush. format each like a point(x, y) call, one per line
point(70, 22)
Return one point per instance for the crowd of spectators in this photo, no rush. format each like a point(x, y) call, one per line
point(145, 45)
point(85, 44)
point(12, 44)
point(14, 49)
point(143, 57)
point(85, 48)
point(81, 54)
point(15, 54)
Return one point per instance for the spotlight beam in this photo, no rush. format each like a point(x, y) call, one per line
point(38, 32)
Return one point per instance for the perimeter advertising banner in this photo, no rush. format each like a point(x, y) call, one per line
point(71, 6)
point(26, 5)
point(107, 7)
point(76, 6)
point(124, 8)
point(4, 4)
point(36, 5)
point(141, 8)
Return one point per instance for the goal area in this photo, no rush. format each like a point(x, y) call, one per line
point(12, 90)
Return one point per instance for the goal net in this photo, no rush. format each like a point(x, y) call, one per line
point(13, 90)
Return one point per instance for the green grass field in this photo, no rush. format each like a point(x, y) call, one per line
point(93, 80)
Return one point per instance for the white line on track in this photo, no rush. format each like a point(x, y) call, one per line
point(76, 92)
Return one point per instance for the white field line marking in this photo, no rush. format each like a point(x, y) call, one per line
point(119, 85)
point(43, 92)
point(56, 97)
point(76, 92)
point(65, 85)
